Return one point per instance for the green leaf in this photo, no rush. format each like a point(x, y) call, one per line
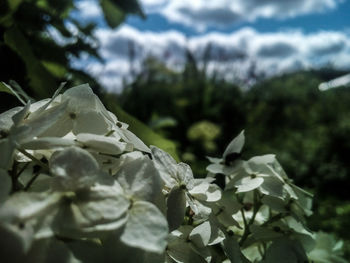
point(14, 4)
point(8, 7)
point(286, 251)
point(8, 89)
point(113, 14)
point(56, 69)
point(5, 185)
point(115, 250)
point(115, 11)
point(232, 249)
point(41, 81)
point(87, 251)
point(176, 204)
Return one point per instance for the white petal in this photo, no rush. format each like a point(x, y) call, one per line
point(166, 165)
point(184, 175)
point(20, 115)
point(81, 98)
point(47, 143)
point(132, 138)
point(200, 187)
point(26, 215)
point(272, 186)
point(102, 144)
point(61, 128)
point(247, 184)
point(38, 104)
point(141, 180)
point(200, 210)
point(213, 194)
point(103, 207)
point(74, 168)
point(216, 168)
point(146, 228)
point(201, 234)
point(214, 160)
point(44, 121)
point(27, 205)
point(236, 145)
point(90, 122)
point(6, 121)
point(263, 159)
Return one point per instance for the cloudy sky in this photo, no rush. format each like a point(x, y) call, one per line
point(275, 35)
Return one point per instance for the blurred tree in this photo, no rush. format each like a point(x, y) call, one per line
point(38, 60)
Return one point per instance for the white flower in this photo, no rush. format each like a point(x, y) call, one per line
point(74, 169)
point(84, 113)
point(20, 129)
point(181, 185)
point(146, 227)
point(256, 173)
point(327, 249)
point(227, 165)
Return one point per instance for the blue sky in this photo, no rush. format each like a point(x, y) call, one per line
point(334, 19)
point(278, 36)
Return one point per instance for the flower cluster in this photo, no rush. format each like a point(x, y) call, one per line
point(77, 186)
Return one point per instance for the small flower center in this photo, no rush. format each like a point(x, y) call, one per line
point(3, 134)
point(231, 158)
point(277, 229)
point(21, 225)
point(230, 233)
point(248, 206)
point(72, 115)
point(183, 186)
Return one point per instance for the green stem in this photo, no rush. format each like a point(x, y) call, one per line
point(272, 219)
point(29, 184)
point(22, 170)
point(256, 208)
point(34, 159)
point(247, 225)
point(246, 228)
point(14, 177)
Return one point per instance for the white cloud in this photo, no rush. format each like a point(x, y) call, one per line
point(203, 13)
point(89, 9)
point(230, 55)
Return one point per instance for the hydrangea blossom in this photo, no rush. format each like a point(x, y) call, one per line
point(77, 186)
